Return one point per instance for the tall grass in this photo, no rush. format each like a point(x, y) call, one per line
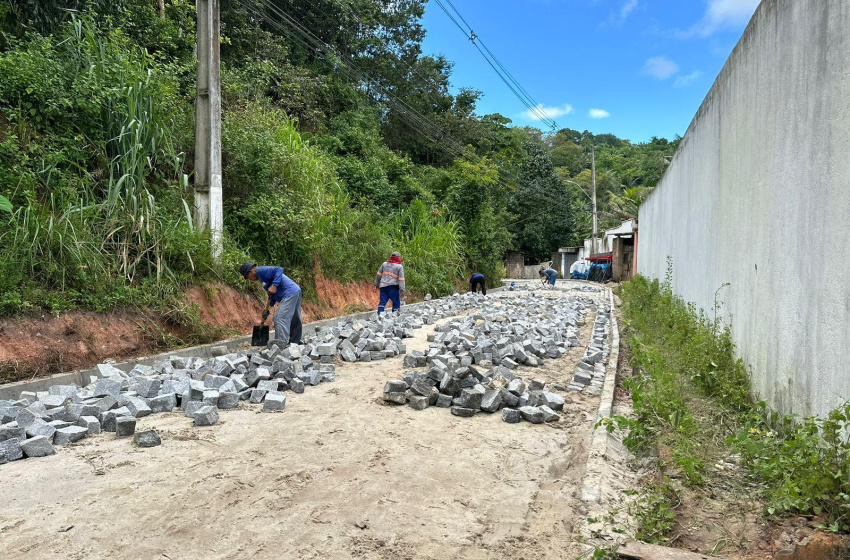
point(431, 247)
point(75, 230)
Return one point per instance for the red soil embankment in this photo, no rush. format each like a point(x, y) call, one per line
point(37, 345)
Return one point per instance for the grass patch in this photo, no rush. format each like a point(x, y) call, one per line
point(692, 407)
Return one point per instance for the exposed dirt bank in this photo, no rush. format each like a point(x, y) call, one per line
point(37, 345)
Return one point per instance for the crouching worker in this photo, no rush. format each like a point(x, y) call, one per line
point(390, 281)
point(476, 281)
point(284, 293)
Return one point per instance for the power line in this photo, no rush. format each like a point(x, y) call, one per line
point(415, 120)
point(509, 80)
point(304, 36)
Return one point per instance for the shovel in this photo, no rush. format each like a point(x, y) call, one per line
point(260, 336)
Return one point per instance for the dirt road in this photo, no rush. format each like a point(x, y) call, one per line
point(337, 475)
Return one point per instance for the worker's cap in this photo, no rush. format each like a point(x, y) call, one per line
point(397, 254)
point(246, 268)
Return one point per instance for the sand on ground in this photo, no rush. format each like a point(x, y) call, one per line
point(337, 475)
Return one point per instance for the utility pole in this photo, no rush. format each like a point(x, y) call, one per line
point(593, 249)
point(208, 203)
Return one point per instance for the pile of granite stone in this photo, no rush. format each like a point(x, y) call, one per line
point(112, 402)
point(472, 361)
point(381, 337)
point(32, 425)
point(589, 375)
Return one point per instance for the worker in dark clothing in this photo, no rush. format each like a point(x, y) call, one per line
point(476, 281)
point(282, 292)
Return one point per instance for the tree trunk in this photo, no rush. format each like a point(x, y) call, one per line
point(161, 8)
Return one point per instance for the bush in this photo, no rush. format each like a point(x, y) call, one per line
point(804, 462)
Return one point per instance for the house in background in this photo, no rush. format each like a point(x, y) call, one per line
point(619, 242)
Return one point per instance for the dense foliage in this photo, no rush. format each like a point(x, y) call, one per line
point(334, 155)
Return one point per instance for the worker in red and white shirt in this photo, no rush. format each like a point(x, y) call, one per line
point(390, 281)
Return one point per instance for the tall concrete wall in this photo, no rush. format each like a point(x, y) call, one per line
point(758, 196)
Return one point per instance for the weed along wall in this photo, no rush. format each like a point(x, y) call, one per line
point(758, 196)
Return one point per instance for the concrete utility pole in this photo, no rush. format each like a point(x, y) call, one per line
point(593, 248)
point(208, 203)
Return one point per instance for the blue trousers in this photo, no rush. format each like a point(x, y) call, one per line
point(389, 293)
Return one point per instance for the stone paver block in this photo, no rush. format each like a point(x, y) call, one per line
point(469, 398)
point(296, 386)
point(395, 397)
point(443, 401)
point(146, 438)
point(206, 416)
point(532, 414)
point(125, 426)
point(511, 415)
point(8, 432)
point(549, 415)
point(91, 424)
point(269, 385)
point(148, 388)
point(210, 397)
point(138, 407)
point(192, 407)
point(275, 401)
point(228, 401)
point(419, 402)
point(38, 446)
point(554, 400)
point(536, 385)
point(108, 419)
point(54, 401)
point(463, 412)
point(163, 403)
point(40, 428)
point(10, 450)
point(107, 387)
point(395, 386)
point(64, 436)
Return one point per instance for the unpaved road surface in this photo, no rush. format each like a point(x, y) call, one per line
point(337, 475)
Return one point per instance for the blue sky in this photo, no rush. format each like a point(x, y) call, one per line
point(635, 68)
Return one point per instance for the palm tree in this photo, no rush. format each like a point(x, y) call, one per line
point(627, 205)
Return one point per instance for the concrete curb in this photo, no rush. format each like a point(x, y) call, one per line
point(82, 377)
point(591, 489)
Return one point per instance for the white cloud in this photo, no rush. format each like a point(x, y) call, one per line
point(599, 114)
point(550, 112)
point(688, 80)
point(660, 67)
point(720, 15)
point(628, 8)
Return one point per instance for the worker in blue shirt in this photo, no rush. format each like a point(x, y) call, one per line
point(284, 293)
point(549, 275)
point(476, 281)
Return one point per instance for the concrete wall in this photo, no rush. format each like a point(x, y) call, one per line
point(514, 264)
point(758, 196)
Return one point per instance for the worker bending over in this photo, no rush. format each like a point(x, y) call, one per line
point(476, 281)
point(390, 281)
point(550, 275)
point(284, 293)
